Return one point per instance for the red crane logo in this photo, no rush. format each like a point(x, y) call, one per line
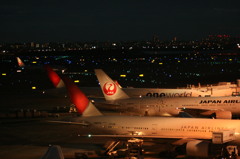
point(109, 88)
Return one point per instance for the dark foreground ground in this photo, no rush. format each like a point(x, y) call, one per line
point(30, 139)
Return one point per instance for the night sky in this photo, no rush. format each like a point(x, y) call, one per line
point(101, 20)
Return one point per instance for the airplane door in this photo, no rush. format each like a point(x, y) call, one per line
point(154, 129)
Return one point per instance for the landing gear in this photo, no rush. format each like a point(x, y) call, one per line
point(133, 149)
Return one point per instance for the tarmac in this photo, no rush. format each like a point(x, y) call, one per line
point(30, 139)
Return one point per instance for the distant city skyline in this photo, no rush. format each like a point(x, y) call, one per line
point(46, 21)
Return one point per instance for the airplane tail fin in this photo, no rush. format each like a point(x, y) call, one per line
point(54, 77)
point(20, 62)
point(110, 89)
point(79, 99)
point(116, 82)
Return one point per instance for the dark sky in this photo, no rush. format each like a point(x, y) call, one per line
point(88, 20)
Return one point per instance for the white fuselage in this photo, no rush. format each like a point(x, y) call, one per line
point(159, 127)
point(96, 92)
point(172, 106)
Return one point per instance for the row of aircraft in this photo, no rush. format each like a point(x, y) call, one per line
point(198, 135)
point(116, 99)
point(140, 119)
point(221, 89)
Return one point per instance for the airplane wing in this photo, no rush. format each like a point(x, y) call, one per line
point(137, 136)
point(69, 122)
point(181, 140)
point(53, 152)
point(201, 112)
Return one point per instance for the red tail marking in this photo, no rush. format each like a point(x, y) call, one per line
point(77, 97)
point(53, 76)
point(109, 88)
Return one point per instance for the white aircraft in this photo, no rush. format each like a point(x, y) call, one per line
point(20, 62)
point(216, 107)
point(199, 135)
point(220, 90)
point(35, 65)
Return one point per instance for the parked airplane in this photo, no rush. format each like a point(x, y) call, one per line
point(35, 65)
point(20, 62)
point(216, 107)
point(199, 135)
point(220, 90)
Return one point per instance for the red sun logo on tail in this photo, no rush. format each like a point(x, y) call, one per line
point(110, 88)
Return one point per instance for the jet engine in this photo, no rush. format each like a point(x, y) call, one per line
point(222, 115)
point(197, 148)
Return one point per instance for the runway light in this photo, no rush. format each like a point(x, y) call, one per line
point(141, 75)
point(34, 87)
point(89, 135)
point(76, 81)
point(122, 75)
point(4, 74)
point(160, 63)
point(34, 62)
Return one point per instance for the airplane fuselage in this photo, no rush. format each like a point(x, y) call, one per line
point(159, 127)
point(172, 106)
